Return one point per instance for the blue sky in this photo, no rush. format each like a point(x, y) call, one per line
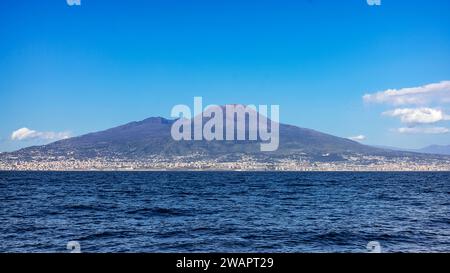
point(69, 70)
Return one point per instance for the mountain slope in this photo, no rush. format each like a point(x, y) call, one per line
point(436, 149)
point(432, 149)
point(151, 137)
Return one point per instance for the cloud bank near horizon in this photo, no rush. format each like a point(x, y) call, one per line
point(422, 95)
point(425, 103)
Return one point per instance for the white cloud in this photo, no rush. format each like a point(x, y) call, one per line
point(358, 138)
point(418, 115)
point(423, 130)
point(422, 95)
point(25, 133)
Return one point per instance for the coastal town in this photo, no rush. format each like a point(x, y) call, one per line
point(244, 163)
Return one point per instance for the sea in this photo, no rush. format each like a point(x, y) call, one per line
point(282, 212)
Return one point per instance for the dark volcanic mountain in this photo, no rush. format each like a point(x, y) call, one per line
point(150, 137)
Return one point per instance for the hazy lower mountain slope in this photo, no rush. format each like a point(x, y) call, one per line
point(436, 149)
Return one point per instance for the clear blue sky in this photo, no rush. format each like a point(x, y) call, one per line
point(104, 63)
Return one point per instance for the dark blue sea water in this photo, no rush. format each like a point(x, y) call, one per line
point(224, 212)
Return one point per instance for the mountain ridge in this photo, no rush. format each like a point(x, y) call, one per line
point(152, 136)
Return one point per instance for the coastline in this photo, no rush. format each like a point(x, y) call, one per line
point(228, 171)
